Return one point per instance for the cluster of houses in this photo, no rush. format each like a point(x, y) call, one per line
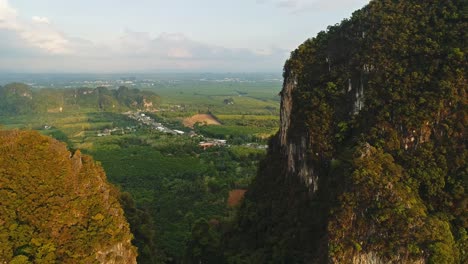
point(208, 143)
point(256, 145)
point(148, 121)
point(116, 130)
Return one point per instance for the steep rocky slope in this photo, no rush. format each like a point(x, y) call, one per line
point(369, 165)
point(57, 206)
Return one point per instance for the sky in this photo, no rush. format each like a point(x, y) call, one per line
point(146, 36)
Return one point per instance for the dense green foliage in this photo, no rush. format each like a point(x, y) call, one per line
point(381, 102)
point(57, 207)
point(204, 246)
point(237, 134)
point(175, 182)
point(18, 98)
point(143, 229)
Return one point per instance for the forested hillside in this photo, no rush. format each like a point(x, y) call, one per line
point(369, 165)
point(19, 98)
point(57, 206)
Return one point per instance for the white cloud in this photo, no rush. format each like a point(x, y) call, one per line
point(135, 43)
point(8, 15)
point(39, 19)
point(37, 33)
point(179, 53)
point(47, 39)
point(177, 46)
point(173, 37)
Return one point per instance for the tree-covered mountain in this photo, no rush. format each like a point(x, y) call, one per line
point(369, 165)
point(57, 206)
point(18, 98)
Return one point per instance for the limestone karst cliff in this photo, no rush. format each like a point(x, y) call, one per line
point(57, 206)
point(369, 165)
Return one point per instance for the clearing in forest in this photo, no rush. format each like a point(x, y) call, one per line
point(235, 197)
point(206, 119)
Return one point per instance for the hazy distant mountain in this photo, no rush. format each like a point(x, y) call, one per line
point(19, 98)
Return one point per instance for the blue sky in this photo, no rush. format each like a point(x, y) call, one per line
point(108, 36)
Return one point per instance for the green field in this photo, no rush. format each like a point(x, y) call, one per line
point(248, 98)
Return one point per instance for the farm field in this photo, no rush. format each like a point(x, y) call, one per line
point(220, 98)
point(204, 119)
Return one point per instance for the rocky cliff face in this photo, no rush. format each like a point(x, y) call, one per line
point(57, 207)
point(294, 145)
point(370, 159)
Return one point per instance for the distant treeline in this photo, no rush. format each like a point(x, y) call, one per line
point(19, 98)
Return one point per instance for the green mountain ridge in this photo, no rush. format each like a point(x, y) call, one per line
point(369, 165)
point(19, 98)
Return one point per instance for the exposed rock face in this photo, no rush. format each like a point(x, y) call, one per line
point(57, 207)
point(147, 104)
point(375, 258)
point(119, 253)
point(295, 148)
